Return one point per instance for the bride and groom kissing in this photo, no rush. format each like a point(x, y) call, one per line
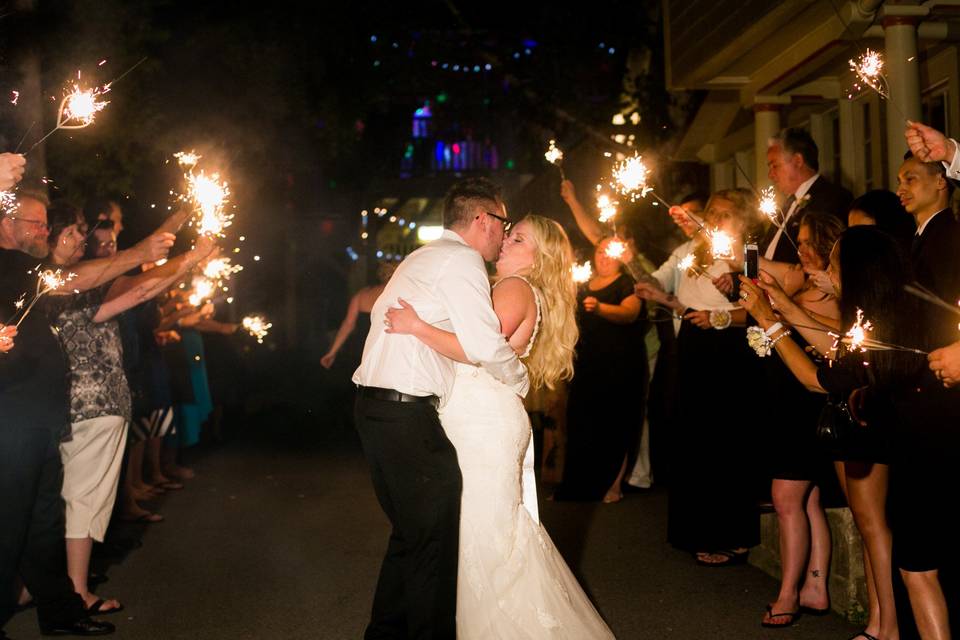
point(441, 420)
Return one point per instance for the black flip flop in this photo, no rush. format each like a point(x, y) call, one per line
point(95, 609)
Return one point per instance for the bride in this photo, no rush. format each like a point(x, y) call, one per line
point(512, 582)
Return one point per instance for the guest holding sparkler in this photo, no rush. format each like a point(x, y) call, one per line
point(35, 409)
point(100, 405)
point(712, 511)
point(869, 268)
point(793, 162)
point(599, 431)
point(12, 166)
point(800, 466)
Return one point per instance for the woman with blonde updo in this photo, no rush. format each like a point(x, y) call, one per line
point(512, 581)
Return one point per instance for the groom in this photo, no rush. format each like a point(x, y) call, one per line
point(400, 383)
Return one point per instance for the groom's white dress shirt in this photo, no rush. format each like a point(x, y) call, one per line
point(446, 283)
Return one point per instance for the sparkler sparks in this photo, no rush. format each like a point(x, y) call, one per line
point(187, 159)
point(209, 194)
point(857, 334)
point(869, 70)
point(606, 206)
point(220, 269)
point(582, 272)
point(47, 281)
point(686, 262)
point(768, 204)
point(257, 326)
point(82, 106)
point(8, 203)
point(202, 290)
point(630, 177)
point(615, 249)
point(16, 96)
point(721, 245)
point(553, 155)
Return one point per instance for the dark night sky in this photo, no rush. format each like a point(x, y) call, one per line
point(302, 109)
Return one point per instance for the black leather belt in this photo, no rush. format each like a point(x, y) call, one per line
point(392, 395)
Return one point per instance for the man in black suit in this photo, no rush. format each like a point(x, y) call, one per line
point(792, 158)
point(926, 443)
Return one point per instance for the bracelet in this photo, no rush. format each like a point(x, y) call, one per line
point(780, 337)
point(720, 319)
point(776, 326)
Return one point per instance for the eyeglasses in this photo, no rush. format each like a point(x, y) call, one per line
point(43, 225)
point(506, 221)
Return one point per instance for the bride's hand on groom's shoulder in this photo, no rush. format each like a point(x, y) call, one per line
point(402, 319)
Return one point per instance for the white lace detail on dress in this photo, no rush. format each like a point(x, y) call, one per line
point(536, 325)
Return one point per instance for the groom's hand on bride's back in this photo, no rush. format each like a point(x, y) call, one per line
point(402, 319)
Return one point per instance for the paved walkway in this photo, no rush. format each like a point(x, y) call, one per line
point(280, 536)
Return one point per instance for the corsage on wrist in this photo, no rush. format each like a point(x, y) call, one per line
point(760, 341)
point(720, 319)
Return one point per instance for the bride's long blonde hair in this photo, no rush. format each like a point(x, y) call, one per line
point(551, 359)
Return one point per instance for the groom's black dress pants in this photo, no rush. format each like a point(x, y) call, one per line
point(417, 480)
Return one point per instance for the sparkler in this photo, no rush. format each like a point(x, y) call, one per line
point(686, 264)
point(202, 290)
point(856, 338)
point(630, 178)
point(209, 194)
point(555, 157)
point(607, 207)
point(721, 245)
point(8, 203)
point(582, 272)
point(47, 281)
point(78, 109)
point(220, 269)
point(768, 207)
point(257, 326)
point(187, 159)
point(868, 68)
point(615, 249)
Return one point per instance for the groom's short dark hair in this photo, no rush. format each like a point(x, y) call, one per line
point(462, 198)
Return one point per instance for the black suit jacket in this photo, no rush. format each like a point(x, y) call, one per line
point(826, 198)
point(935, 257)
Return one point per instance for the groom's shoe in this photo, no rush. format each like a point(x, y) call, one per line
point(81, 627)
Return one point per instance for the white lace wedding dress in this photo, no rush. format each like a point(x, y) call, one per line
point(512, 583)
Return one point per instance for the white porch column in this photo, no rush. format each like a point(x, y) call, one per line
point(903, 78)
point(766, 125)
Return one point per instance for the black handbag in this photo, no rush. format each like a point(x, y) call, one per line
point(835, 425)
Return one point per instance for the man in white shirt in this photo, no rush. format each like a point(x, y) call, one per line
point(400, 382)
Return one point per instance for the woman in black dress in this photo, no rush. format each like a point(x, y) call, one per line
point(896, 409)
point(609, 353)
point(799, 466)
point(712, 504)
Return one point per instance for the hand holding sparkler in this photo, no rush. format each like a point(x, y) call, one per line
point(945, 363)
point(928, 144)
point(154, 247)
point(12, 166)
point(590, 304)
point(175, 222)
point(7, 334)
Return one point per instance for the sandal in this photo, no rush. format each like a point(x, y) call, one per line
point(810, 611)
point(791, 615)
point(96, 610)
point(863, 634)
point(732, 558)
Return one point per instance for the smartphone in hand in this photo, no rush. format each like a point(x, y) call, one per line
point(751, 261)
